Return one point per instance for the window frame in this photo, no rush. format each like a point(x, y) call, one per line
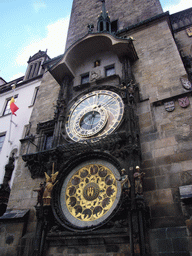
point(114, 26)
point(7, 101)
point(109, 67)
point(47, 135)
point(34, 69)
point(85, 76)
point(36, 90)
point(2, 142)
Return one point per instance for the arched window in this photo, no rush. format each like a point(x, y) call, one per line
point(101, 26)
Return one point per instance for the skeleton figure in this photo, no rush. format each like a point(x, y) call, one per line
point(138, 178)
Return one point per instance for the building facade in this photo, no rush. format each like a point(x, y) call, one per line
point(14, 127)
point(106, 167)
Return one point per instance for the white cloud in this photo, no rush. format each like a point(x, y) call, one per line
point(20, 74)
point(37, 5)
point(182, 5)
point(54, 42)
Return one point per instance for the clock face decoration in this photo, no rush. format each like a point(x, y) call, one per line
point(90, 193)
point(94, 114)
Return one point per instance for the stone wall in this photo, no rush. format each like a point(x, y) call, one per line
point(12, 228)
point(184, 42)
point(126, 12)
point(45, 103)
point(166, 152)
point(112, 245)
point(166, 137)
point(10, 234)
point(170, 241)
point(159, 67)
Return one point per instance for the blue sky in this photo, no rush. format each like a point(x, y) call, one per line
point(32, 25)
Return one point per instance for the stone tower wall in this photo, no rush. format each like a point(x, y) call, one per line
point(127, 13)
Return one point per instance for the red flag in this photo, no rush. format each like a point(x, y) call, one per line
point(13, 107)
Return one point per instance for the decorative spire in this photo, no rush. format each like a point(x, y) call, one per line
point(104, 9)
point(103, 24)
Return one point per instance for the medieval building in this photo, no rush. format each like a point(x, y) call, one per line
point(105, 168)
point(14, 127)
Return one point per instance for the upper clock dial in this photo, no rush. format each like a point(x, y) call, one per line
point(94, 114)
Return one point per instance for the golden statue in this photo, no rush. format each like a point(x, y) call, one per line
point(50, 183)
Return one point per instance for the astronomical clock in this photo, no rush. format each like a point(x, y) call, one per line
point(88, 195)
point(95, 114)
point(89, 192)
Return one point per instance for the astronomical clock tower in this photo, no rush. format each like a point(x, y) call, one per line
point(97, 200)
point(98, 149)
point(85, 136)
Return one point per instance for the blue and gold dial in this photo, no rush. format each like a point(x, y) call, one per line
point(95, 114)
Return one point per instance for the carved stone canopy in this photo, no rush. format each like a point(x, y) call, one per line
point(88, 46)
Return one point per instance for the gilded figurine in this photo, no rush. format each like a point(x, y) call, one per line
point(138, 178)
point(50, 183)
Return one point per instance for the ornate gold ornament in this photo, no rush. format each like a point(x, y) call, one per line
point(95, 114)
point(90, 194)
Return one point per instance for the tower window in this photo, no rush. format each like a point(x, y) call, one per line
point(114, 26)
point(48, 141)
point(101, 26)
point(30, 71)
point(34, 69)
point(85, 78)
point(34, 96)
point(110, 70)
point(108, 26)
